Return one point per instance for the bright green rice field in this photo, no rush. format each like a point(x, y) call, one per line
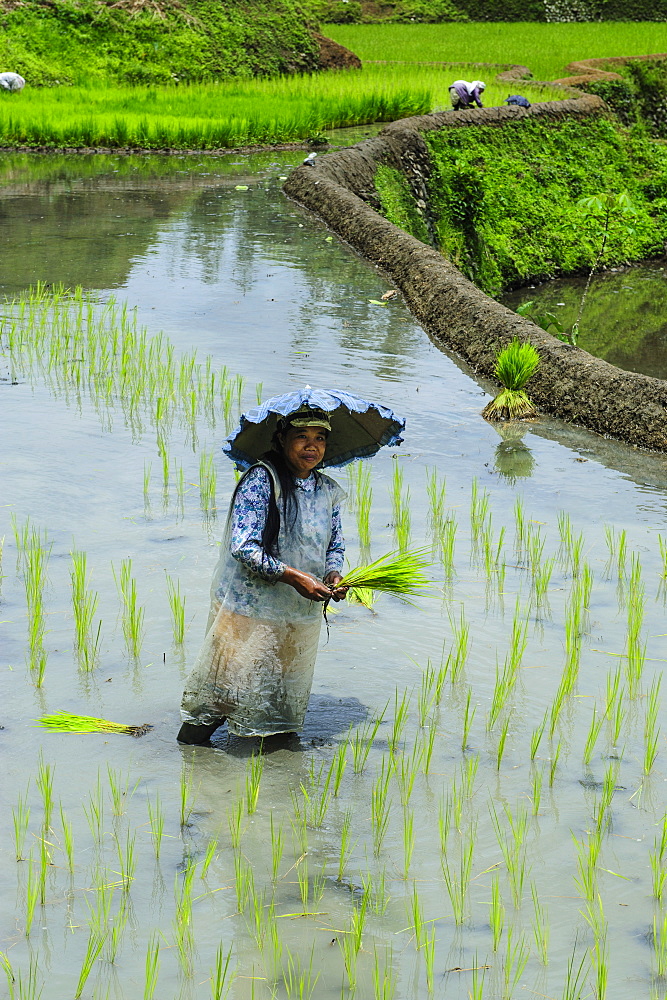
point(230, 113)
point(545, 48)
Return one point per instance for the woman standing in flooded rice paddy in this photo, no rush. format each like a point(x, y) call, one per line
point(282, 555)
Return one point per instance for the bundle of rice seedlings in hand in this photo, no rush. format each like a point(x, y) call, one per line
point(398, 573)
point(63, 722)
point(515, 365)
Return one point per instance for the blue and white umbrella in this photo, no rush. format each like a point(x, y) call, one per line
point(358, 428)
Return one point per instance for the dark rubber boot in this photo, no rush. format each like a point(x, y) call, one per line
point(197, 735)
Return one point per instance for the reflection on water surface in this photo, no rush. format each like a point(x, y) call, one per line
point(545, 527)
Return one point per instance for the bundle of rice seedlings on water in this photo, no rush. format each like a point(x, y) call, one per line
point(398, 573)
point(515, 365)
point(63, 722)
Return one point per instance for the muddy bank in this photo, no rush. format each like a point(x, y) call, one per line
point(571, 383)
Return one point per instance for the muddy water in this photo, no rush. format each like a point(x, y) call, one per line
point(211, 253)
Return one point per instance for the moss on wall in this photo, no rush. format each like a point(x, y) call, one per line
point(398, 203)
point(505, 202)
point(79, 41)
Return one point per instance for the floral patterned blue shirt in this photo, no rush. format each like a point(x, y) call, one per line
point(249, 514)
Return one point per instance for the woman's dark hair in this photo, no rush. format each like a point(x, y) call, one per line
point(276, 459)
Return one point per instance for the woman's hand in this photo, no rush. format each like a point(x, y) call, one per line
point(305, 585)
point(337, 593)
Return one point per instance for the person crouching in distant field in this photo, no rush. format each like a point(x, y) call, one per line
point(11, 82)
point(464, 95)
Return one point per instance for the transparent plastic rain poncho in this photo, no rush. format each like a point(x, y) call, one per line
point(256, 665)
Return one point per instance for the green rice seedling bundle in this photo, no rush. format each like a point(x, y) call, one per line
point(515, 366)
point(398, 573)
point(65, 722)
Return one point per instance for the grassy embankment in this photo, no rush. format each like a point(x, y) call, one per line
point(221, 115)
point(545, 48)
point(506, 203)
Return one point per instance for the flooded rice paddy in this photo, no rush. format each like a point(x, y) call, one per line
point(476, 807)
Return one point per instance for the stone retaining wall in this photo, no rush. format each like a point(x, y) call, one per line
point(571, 383)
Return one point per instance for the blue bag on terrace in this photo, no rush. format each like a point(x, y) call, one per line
point(518, 101)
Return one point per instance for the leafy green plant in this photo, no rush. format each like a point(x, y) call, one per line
point(515, 366)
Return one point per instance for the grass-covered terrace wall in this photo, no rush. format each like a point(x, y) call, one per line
point(341, 189)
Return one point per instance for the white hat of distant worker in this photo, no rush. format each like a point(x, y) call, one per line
point(11, 82)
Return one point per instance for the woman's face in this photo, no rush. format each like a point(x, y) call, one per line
point(303, 448)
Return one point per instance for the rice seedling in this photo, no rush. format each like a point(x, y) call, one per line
point(651, 728)
point(277, 846)
point(660, 945)
point(447, 541)
point(177, 605)
point(84, 604)
point(345, 845)
point(658, 875)
point(29, 987)
point(127, 860)
point(133, 614)
point(408, 840)
point(416, 917)
point(304, 882)
point(428, 735)
point(116, 931)
point(375, 892)
point(95, 944)
point(211, 851)
point(299, 826)
point(496, 913)
point(147, 489)
point(9, 973)
point(152, 967)
point(553, 764)
point(298, 980)
point(477, 981)
point(363, 739)
point(338, 767)
point(32, 895)
point(253, 778)
point(119, 788)
point(398, 573)
point(600, 968)
point(593, 733)
point(461, 647)
point(222, 979)
point(515, 366)
point(516, 957)
point(401, 712)
point(426, 696)
point(536, 737)
point(457, 880)
point(44, 782)
point(364, 501)
point(401, 508)
point(207, 484)
point(384, 977)
point(156, 820)
point(235, 821)
point(537, 780)
point(479, 512)
point(65, 722)
point(595, 918)
point(380, 807)
point(428, 951)
point(406, 772)
point(68, 839)
point(586, 879)
point(502, 739)
point(21, 819)
point(187, 794)
point(541, 928)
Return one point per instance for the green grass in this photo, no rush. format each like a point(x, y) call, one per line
point(545, 48)
point(226, 114)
